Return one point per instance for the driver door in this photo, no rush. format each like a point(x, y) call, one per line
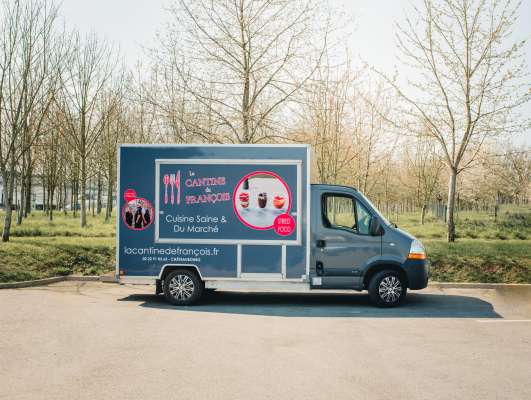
point(345, 245)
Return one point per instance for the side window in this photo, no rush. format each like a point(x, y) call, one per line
point(339, 212)
point(364, 219)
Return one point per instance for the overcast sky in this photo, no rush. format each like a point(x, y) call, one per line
point(131, 23)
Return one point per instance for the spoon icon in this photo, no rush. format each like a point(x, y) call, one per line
point(166, 181)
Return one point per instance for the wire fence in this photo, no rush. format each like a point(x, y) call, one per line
point(437, 211)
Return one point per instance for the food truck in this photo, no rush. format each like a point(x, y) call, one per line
point(199, 217)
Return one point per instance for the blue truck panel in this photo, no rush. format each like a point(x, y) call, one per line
point(193, 205)
point(261, 259)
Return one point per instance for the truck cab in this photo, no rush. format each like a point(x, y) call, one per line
point(354, 247)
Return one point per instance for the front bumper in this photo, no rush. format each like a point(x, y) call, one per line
point(418, 272)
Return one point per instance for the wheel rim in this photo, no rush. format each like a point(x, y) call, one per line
point(390, 289)
point(181, 287)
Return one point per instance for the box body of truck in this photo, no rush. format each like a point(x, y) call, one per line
point(238, 215)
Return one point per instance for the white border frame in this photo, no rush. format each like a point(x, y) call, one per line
point(271, 242)
point(308, 212)
point(117, 215)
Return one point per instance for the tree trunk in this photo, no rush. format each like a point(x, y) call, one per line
point(450, 225)
point(76, 197)
point(99, 193)
point(7, 204)
point(27, 209)
point(72, 198)
point(109, 191)
point(8, 199)
point(59, 197)
point(109, 199)
point(22, 192)
point(50, 200)
point(65, 194)
point(423, 213)
point(50, 193)
point(92, 198)
point(83, 190)
point(43, 193)
point(246, 83)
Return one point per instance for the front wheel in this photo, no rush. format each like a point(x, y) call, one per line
point(387, 289)
point(182, 287)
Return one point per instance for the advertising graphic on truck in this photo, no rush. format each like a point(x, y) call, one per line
point(225, 201)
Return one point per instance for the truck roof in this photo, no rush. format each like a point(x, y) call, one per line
point(333, 186)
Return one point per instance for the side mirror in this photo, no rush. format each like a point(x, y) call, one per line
point(376, 226)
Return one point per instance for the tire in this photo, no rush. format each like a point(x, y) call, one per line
point(182, 287)
point(387, 289)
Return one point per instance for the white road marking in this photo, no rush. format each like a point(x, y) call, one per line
point(505, 320)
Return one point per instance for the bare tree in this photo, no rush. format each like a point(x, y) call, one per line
point(244, 59)
point(421, 172)
point(468, 86)
point(512, 171)
point(375, 108)
point(116, 129)
point(327, 122)
point(167, 111)
point(84, 81)
point(32, 55)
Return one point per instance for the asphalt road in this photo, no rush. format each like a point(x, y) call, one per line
point(104, 341)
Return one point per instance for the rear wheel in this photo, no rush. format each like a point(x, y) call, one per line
point(387, 289)
point(182, 287)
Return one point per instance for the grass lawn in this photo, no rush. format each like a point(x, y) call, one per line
point(38, 225)
point(485, 250)
point(39, 248)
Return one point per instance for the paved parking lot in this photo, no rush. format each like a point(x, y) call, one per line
point(104, 341)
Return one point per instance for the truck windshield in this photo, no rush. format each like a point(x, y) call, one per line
point(384, 220)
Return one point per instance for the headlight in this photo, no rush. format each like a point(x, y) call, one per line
point(417, 250)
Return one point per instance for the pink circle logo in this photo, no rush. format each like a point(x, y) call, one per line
point(130, 195)
point(284, 224)
point(137, 213)
point(260, 198)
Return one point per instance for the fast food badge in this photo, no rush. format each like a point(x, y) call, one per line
point(262, 200)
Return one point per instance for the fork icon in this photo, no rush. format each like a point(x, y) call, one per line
point(172, 182)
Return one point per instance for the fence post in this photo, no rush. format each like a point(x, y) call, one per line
point(396, 209)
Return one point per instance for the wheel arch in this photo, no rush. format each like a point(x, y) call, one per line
point(382, 266)
point(166, 269)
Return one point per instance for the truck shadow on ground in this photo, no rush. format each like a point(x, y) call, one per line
point(326, 305)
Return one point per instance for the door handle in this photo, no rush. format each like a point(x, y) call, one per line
point(321, 243)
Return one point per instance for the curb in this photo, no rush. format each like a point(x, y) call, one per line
point(464, 285)
point(24, 284)
point(81, 278)
point(47, 281)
